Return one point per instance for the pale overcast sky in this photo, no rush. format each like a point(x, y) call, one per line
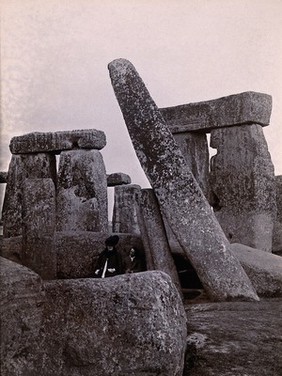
point(54, 57)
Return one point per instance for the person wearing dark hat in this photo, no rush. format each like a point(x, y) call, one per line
point(109, 262)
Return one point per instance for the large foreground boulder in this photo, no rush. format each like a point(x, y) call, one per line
point(126, 325)
point(133, 324)
point(21, 310)
point(264, 269)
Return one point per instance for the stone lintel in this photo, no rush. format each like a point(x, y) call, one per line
point(244, 108)
point(118, 178)
point(37, 142)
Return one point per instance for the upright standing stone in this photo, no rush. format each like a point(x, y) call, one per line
point(194, 147)
point(82, 192)
point(23, 166)
point(154, 236)
point(277, 231)
point(125, 209)
point(39, 221)
point(242, 180)
point(179, 196)
point(118, 178)
point(22, 299)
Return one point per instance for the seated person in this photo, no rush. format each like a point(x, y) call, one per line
point(134, 262)
point(109, 262)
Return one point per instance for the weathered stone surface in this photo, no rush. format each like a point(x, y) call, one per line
point(125, 209)
point(180, 198)
point(21, 167)
point(242, 180)
point(39, 221)
point(57, 141)
point(132, 324)
point(264, 269)
point(21, 297)
point(77, 251)
point(3, 176)
point(82, 192)
point(277, 231)
point(154, 236)
point(243, 108)
point(11, 248)
point(234, 339)
point(194, 147)
point(118, 178)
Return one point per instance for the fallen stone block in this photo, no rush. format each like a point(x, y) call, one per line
point(132, 324)
point(55, 142)
point(118, 178)
point(264, 269)
point(244, 108)
point(180, 198)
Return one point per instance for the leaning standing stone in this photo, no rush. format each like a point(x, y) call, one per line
point(180, 198)
point(82, 192)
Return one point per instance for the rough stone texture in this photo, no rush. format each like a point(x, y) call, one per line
point(154, 236)
point(277, 231)
point(21, 167)
point(77, 252)
point(11, 248)
point(57, 141)
point(194, 147)
point(21, 297)
point(82, 192)
point(264, 269)
point(3, 176)
point(180, 198)
point(132, 324)
point(243, 108)
point(242, 180)
point(118, 178)
point(234, 339)
point(39, 221)
point(125, 209)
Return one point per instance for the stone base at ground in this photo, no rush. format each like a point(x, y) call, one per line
point(234, 339)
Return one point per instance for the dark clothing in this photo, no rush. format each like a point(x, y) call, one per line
point(133, 264)
point(109, 264)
